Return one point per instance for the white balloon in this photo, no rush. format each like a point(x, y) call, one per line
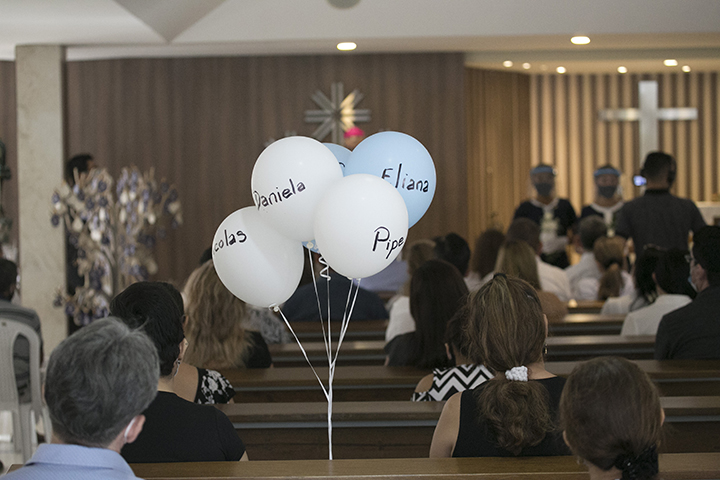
point(256, 263)
point(361, 225)
point(288, 181)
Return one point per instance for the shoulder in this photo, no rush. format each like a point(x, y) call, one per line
point(425, 383)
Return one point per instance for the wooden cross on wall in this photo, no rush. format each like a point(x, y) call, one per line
point(648, 115)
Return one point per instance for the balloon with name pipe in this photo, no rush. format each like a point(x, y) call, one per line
point(289, 179)
point(256, 263)
point(401, 161)
point(361, 225)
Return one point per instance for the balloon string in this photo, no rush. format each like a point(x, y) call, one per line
point(345, 322)
point(326, 336)
point(277, 309)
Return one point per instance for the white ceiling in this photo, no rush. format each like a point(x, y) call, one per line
point(635, 33)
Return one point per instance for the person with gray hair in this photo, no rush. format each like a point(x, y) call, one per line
point(98, 382)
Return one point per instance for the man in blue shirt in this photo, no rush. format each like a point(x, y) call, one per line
point(99, 381)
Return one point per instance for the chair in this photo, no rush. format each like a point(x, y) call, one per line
point(23, 428)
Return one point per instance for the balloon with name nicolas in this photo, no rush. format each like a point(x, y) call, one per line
point(341, 153)
point(361, 225)
point(256, 263)
point(401, 161)
point(288, 181)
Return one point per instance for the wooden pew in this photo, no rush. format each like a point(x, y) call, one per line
point(683, 466)
point(296, 431)
point(572, 324)
point(376, 383)
point(584, 306)
point(371, 352)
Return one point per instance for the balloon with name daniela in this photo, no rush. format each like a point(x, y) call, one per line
point(289, 179)
point(401, 161)
point(361, 225)
point(256, 263)
point(341, 153)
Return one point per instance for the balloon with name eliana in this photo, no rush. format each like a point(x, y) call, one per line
point(361, 225)
point(256, 263)
point(401, 161)
point(289, 179)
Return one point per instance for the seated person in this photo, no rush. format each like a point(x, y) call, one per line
point(514, 413)
point(216, 325)
point(590, 229)
point(417, 253)
point(10, 311)
point(555, 217)
point(487, 246)
point(175, 430)
point(303, 305)
point(455, 250)
point(608, 201)
point(673, 291)
point(516, 259)
point(611, 418)
point(98, 382)
point(693, 331)
point(645, 291)
point(552, 278)
point(614, 281)
point(437, 291)
point(443, 383)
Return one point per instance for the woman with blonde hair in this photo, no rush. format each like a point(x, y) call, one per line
point(215, 327)
point(517, 259)
point(514, 413)
point(611, 417)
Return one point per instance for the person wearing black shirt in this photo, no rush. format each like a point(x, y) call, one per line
point(556, 216)
point(659, 217)
point(693, 331)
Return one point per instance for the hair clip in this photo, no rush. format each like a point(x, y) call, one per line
point(499, 274)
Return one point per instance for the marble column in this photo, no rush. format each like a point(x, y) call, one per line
point(40, 149)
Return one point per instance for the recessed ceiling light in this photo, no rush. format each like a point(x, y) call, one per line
point(686, 68)
point(622, 69)
point(561, 70)
point(526, 66)
point(670, 62)
point(507, 63)
point(346, 46)
point(580, 40)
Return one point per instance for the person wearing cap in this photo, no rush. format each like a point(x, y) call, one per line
point(556, 216)
point(659, 217)
point(693, 331)
point(352, 137)
point(608, 200)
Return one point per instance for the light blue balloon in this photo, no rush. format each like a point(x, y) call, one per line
point(311, 245)
point(341, 153)
point(403, 162)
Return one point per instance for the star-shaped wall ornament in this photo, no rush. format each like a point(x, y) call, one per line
point(337, 114)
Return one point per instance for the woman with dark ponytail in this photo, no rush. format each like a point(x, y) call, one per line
point(612, 419)
point(513, 414)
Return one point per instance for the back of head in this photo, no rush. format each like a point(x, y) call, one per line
point(659, 166)
point(98, 380)
point(214, 321)
point(611, 415)
point(487, 247)
point(455, 333)
point(8, 278)
point(453, 249)
point(516, 259)
point(81, 163)
point(151, 306)
point(644, 268)
point(437, 292)
point(525, 230)
point(706, 250)
point(590, 229)
point(609, 253)
point(672, 272)
point(506, 329)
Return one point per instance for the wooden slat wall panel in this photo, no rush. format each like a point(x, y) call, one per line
point(202, 122)
point(8, 134)
point(694, 144)
point(498, 140)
